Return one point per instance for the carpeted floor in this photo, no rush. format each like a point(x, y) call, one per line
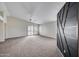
point(31, 46)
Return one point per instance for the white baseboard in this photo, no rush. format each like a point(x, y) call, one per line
point(15, 37)
point(48, 37)
point(2, 41)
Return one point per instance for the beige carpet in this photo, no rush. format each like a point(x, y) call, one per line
point(31, 46)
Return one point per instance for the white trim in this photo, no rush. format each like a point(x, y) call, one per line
point(48, 36)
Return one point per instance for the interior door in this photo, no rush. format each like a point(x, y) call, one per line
point(71, 29)
point(67, 29)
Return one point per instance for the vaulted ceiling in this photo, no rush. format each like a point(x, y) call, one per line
point(39, 12)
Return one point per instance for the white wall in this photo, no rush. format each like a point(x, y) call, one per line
point(15, 27)
point(48, 29)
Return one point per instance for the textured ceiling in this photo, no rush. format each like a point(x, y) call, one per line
point(39, 12)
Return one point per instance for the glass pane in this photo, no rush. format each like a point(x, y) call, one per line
point(30, 30)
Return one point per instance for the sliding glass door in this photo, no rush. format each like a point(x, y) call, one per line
point(33, 29)
point(30, 30)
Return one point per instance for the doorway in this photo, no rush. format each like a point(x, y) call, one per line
point(30, 30)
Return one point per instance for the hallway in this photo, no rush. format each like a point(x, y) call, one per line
point(31, 46)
